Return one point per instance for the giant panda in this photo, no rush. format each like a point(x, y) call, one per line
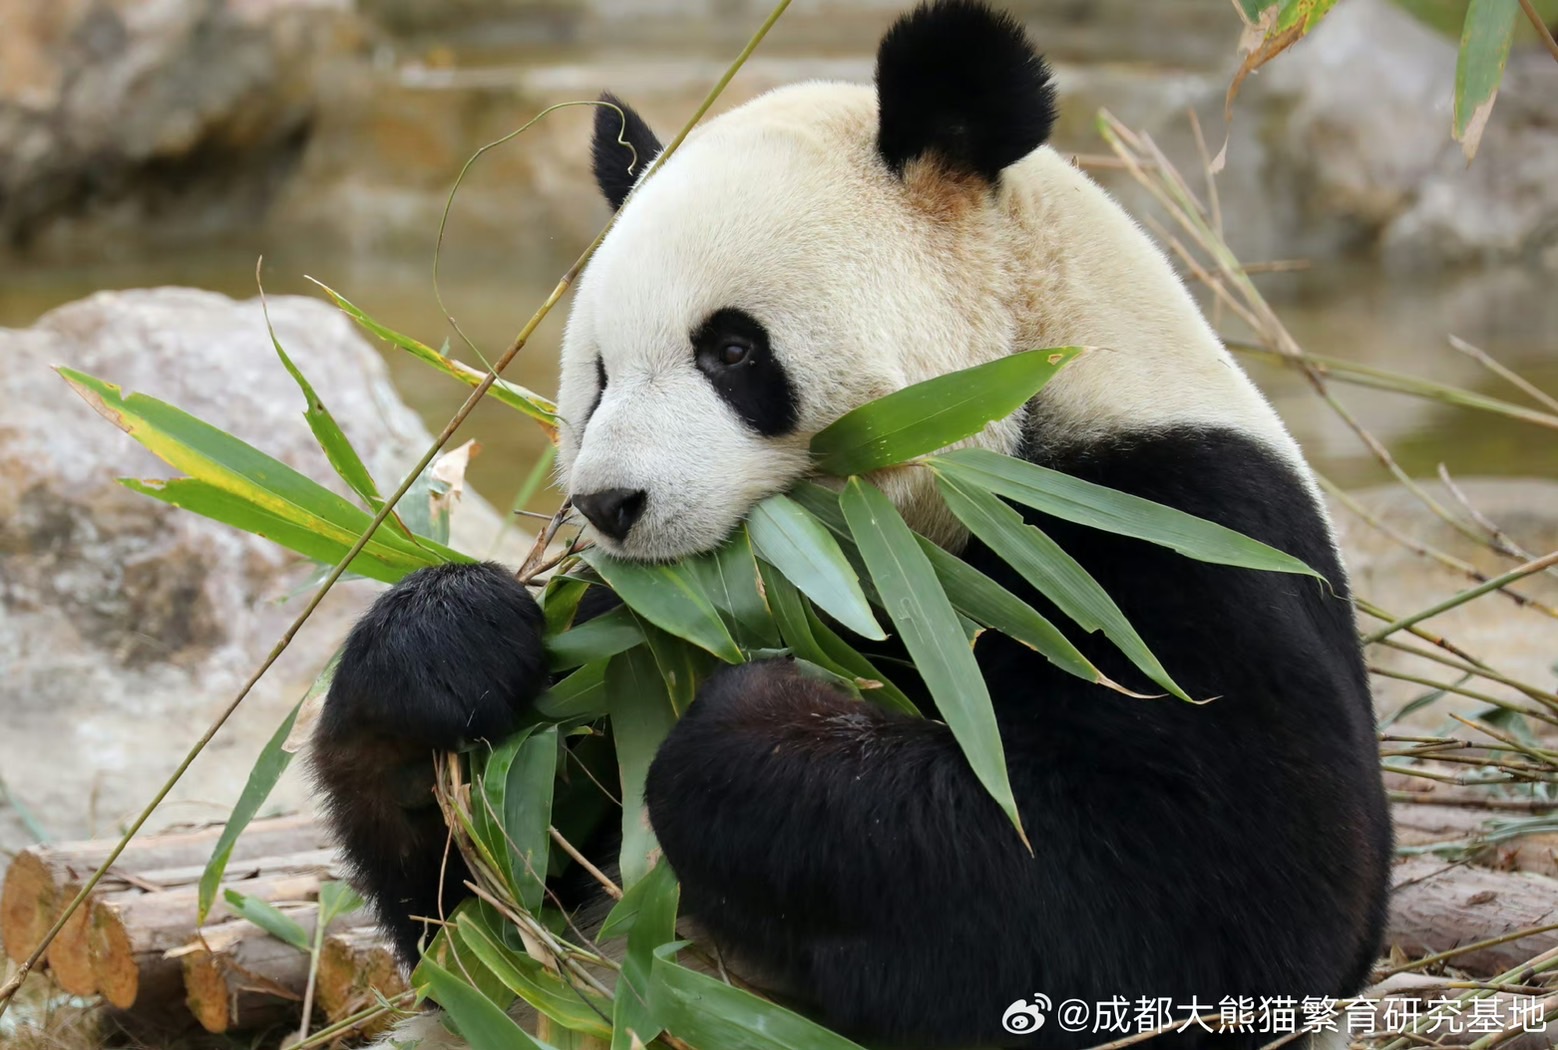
point(813, 249)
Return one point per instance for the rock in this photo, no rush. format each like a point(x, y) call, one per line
point(1356, 119)
point(176, 114)
point(1519, 641)
point(127, 625)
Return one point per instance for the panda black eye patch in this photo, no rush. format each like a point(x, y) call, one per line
point(600, 389)
point(732, 350)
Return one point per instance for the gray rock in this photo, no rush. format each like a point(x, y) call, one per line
point(1357, 118)
point(127, 625)
point(182, 114)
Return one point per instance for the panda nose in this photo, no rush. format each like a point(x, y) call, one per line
point(612, 511)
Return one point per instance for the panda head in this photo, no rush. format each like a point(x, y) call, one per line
point(818, 247)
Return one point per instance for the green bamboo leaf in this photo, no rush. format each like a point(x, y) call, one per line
point(670, 597)
point(273, 761)
point(606, 635)
point(980, 598)
point(269, 918)
point(934, 414)
point(574, 1009)
point(634, 1022)
point(706, 1012)
point(560, 602)
point(480, 1021)
point(516, 782)
point(641, 716)
point(1103, 508)
point(208, 454)
point(729, 577)
point(538, 408)
point(335, 900)
point(859, 668)
point(348, 465)
point(1485, 39)
point(1053, 572)
point(450, 951)
point(793, 541)
point(579, 695)
point(682, 666)
point(376, 561)
point(976, 597)
point(929, 628)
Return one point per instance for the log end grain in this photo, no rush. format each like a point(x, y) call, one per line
point(29, 901)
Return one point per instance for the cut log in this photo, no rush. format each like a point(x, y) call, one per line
point(1436, 906)
point(128, 934)
point(238, 976)
point(356, 967)
point(43, 879)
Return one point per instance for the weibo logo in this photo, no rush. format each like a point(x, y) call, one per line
point(1024, 1017)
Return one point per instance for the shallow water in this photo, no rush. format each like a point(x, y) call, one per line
point(1351, 311)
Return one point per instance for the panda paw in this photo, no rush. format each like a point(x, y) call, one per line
point(449, 655)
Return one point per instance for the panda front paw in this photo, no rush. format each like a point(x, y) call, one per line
point(449, 655)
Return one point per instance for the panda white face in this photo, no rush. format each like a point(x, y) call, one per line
point(771, 277)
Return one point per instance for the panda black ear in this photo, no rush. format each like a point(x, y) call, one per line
point(617, 166)
point(960, 81)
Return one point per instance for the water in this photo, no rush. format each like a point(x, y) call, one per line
point(1353, 311)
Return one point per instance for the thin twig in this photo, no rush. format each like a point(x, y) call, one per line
point(1542, 31)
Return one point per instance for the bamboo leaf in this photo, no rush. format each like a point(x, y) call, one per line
point(641, 716)
point(208, 454)
point(814, 642)
point(376, 561)
point(605, 636)
point(268, 768)
point(579, 695)
point(706, 1012)
point(538, 408)
point(928, 626)
point(348, 465)
point(730, 578)
point(634, 1021)
point(269, 918)
point(480, 1021)
point(800, 546)
point(516, 783)
point(1053, 572)
point(682, 666)
point(1085, 503)
point(671, 598)
point(335, 900)
point(986, 602)
point(575, 1010)
point(934, 414)
point(1485, 40)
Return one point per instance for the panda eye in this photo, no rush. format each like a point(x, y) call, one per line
point(732, 354)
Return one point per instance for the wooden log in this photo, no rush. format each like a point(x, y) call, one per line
point(356, 966)
point(1421, 824)
point(238, 976)
point(1436, 906)
point(43, 879)
point(128, 935)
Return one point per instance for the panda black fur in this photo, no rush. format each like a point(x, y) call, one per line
point(797, 257)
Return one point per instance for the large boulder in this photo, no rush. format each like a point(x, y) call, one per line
point(126, 625)
point(1356, 120)
point(175, 115)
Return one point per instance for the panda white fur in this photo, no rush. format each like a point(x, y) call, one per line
point(818, 247)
